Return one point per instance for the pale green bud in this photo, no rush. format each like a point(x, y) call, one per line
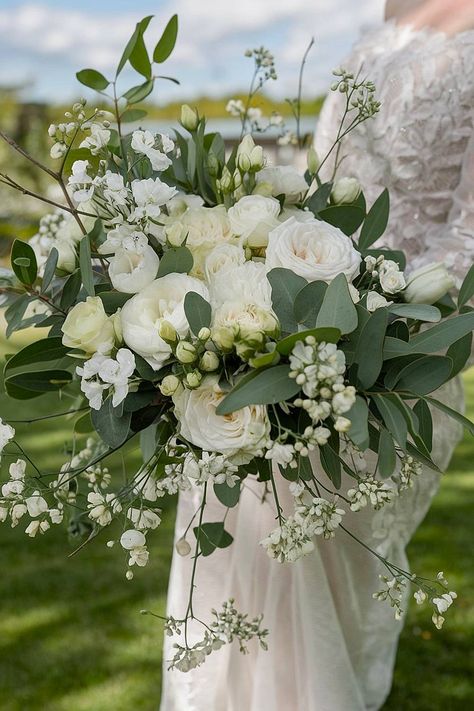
point(243, 162)
point(167, 332)
point(256, 159)
point(263, 188)
point(209, 362)
point(212, 165)
point(223, 337)
point(312, 161)
point(186, 352)
point(345, 190)
point(189, 118)
point(204, 334)
point(226, 183)
point(176, 234)
point(193, 379)
point(169, 385)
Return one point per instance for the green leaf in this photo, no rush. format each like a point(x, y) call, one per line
point(467, 424)
point(140, 92)
point(319, 199)
point(395, 347)
point(110, 424)
point(285, 286)
point(130, 46)
point(376, 221)
point(49, 269)
point(167, 41)
point(338, 309)
point(38, 352)
point(228, 495)
point(331, 464)
point(83, 425)
point(179, 261)
point(263, 360)
point(212, 536)
point(396, 255)
point(139, 58)
point(369, 350)
point(266, 387)
point(421, 312)
point(93, 79)
point(85, 263)
point(387, 454)
point(198, 311)
point(443, 334)
point(132, 115)
point(460, 352)
point(23, 261)
point(71, 289)
point(308, 301)
point(113, 300)
point(328, 335)
point(466, 292)
point(359, 429)
point(392, 417)
point(28, 385)
point(425, 421)
point(424, 375)
point(348, 218)
point(395, 368)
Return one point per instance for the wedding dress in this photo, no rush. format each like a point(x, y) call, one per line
point(331, 646)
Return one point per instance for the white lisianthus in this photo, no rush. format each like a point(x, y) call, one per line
point(131, 271)
point(428, 284)
point(345, 190)
point(239, 436)
point(150, 195)
point(143, 314)
point(144, 142)
point(222, 258)
point(253, 217)
point(392, 279)
point(376, 301)
point(315, 250)
point(285, 180)
point(88, 328)
point(99, 137)
point(243, 283)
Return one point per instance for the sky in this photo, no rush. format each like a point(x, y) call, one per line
point(44, 43)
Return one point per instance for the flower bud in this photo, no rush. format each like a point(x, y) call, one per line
point(204, 334)
point(342, 424)
point(193, 379)
point(428, 284)
point(263, 188)
point(58, 150)
point(209, 362)
point(223, 337)
point(176, 234)
point(52, 130)
point(249, 156)
point(189, 118)
point(186, 352)
point(169, 385)
point(345, 190)
point(212, 165)
point(167, 332)
point(312, 161)
point(256, 159)
point(182, 547)
point(226, 183)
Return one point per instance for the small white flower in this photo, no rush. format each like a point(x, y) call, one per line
point(132, 539)
point(376, 301)
point(150, 195)
point(392, 279)
point(420, 597)
point(36, 505)
point(144, 142)
point(6, 434)
point(99, 137)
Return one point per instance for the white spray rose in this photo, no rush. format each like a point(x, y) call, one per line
point(285, 180)
point(253, 217)
point(222, 258)
point(376, 301)
point(131, 271)
point(392, 279)
point(428, 284)
point(315, 250)
point(143, 314)
point(239, 436)
point(244, 283)
point(88, 328)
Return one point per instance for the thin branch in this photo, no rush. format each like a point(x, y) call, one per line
point(26, 155)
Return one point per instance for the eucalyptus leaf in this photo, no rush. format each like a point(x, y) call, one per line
point(308, 302)
point(421, 312)
point(348, 218)
point(424, 375)
point(425, 420)
point(23, 260)
point(132, 115)
point(179, 261)
point(71, 289)
point(359, 430)
point(464, 421)
point(460, 352)
point(198, 311)
point(32, 384)
point(93, 79)
point(466, 292)
point(393, 418)
point(140, 92)
point(265, 387)
point(443, 334)
point(369, 351)
point(228, 495)
point(46, 349)
point(167, 41)
point(338, 310)
point(376, 221)
point(111, 426)
point(285, 286)
point(319, 199)
point(49, 269)
point(387, 454)
point(211, 536)
point(85, 263)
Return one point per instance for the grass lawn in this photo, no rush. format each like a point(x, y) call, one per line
point(72, 638)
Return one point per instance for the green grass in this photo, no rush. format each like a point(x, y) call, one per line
point(72, 638)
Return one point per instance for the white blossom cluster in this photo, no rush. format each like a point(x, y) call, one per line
point(361, 94)
point(96, 125)
point(369, 490)
point(321, 517)
point(393, 590)
point(210, 467)
point(409, 468)
point(319, 369)
point(289, 541)
point(102, 373)
point(385, 276)
point(441, 602)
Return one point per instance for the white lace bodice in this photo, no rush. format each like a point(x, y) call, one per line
point(421, 144)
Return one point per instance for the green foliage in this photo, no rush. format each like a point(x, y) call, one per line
point(212, 536)
point(85, 263)
point(167, 41)
point(338, 310)
point(308, 302)
point(348, 218)
point(375, 222)
point(260, 387)
point(23, 261)
point(111, 423)
point(285, 286)
point(92, 79)
point(178, 260)
point(198, 311)
point(228, 495)
point(24, 386)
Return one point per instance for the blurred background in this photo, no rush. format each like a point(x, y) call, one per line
point(71, 636)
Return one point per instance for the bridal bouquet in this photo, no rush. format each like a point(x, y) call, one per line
point(235, 316)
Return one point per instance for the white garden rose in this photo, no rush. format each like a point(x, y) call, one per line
point(253, 217)
point(285, 180)
point(299, 215)
point(88, 328)
point(240, 436)
point(245, 319)
point(131, 271)
point(222, 258)
point(161, 301)
point(315, 250)
point(376, 301)
point(246, 283)
point(392, 280)
point(428, 284)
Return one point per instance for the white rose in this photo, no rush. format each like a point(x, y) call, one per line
point(376, 301)
point(299, 215)
point(239, 436)
point(246, 318)
point(253, 217)
point(285, 180)
point(345, 190)
point(142, 315)
point(206, 227)
point(428, 284)
point(222, 258)
point(245, 283)
point(314, 250)
point(392, 279)
point(88, 328)
point(131, 271)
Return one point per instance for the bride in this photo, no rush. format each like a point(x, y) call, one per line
point(331, 646)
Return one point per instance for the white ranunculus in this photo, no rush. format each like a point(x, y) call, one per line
point(253, 217)
point(315, 250)
point(88, 328)
point(142, 315)
point(131, 271)
point(376, 301)
point(246, 283)
point(428, 284)
point(392, 280)
point(239, 436)
point(285, 180)
point(345, 190)
point(222, 258)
